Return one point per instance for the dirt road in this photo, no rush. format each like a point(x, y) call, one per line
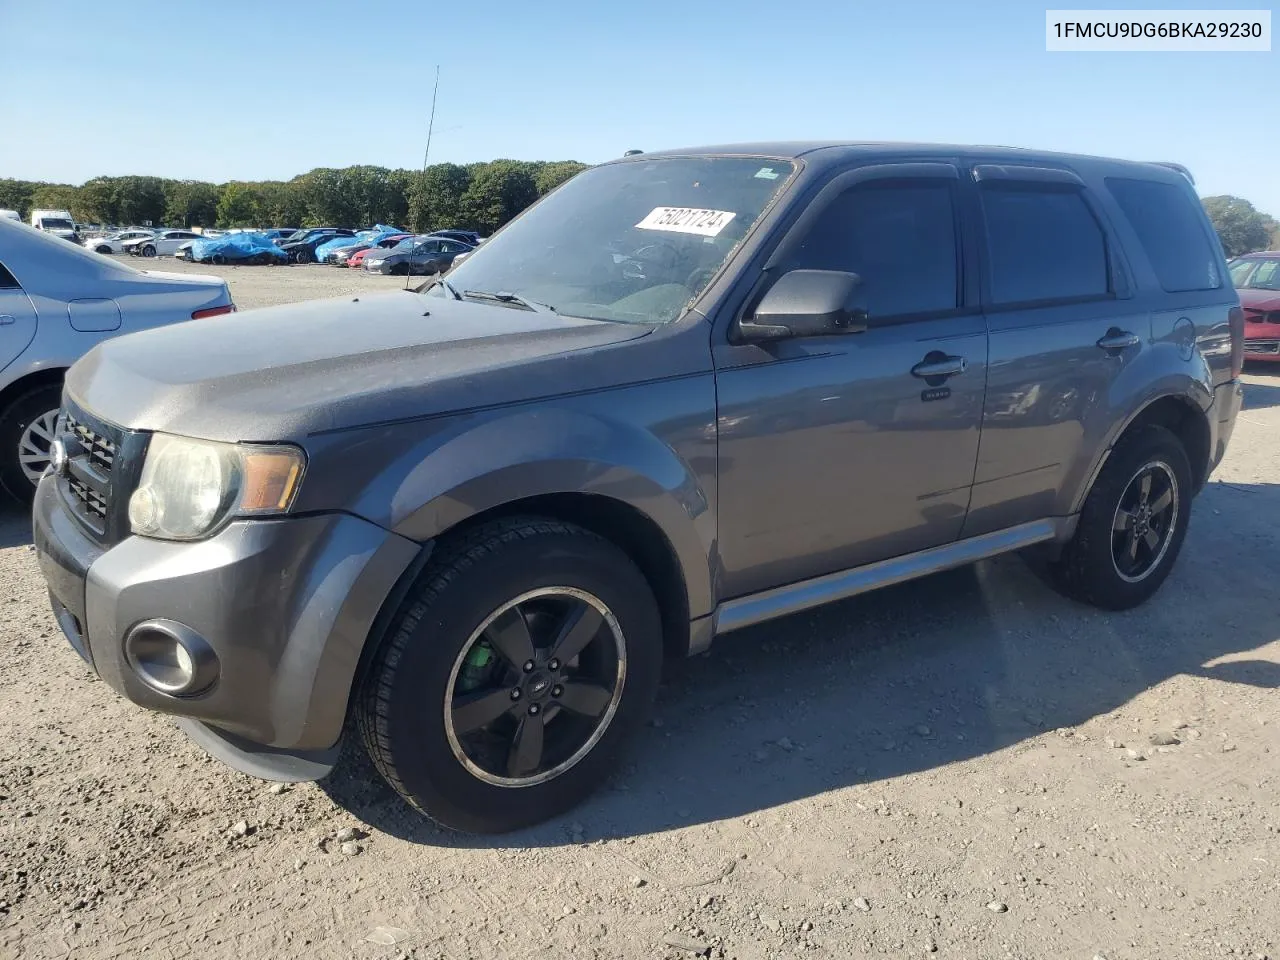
point(968, 766)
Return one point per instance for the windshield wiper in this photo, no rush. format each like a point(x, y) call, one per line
point(509, 298)
point(449, 289)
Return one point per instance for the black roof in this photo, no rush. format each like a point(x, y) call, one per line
point(842, 149)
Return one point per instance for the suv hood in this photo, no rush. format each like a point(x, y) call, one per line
point(281, 373)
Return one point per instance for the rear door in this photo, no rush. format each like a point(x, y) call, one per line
point(1063, 325)
point(17, 319)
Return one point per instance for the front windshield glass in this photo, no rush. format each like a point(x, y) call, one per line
point(1265, 277)
point(57, 224)
point(631, 242)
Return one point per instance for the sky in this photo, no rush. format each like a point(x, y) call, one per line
point(232, 89)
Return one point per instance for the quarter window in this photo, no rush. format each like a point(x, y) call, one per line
point(1043, 244)
point(899, 237)
point(7, 279)
point(1171, 231)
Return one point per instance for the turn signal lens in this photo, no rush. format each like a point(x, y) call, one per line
point(270, 480)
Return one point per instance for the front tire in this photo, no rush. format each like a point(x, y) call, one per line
point(1133, 523)
point(527, 654)
point(26, 431)
point(148, 251)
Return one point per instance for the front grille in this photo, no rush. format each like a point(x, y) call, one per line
point(1261, 348)
point(101, 449)
point(102, 465)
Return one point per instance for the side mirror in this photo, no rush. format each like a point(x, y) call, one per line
point(806, 303)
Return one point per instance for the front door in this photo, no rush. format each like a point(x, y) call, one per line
point(841, 450)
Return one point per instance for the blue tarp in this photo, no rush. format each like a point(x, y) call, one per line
point(237, 246)
point(380, 231)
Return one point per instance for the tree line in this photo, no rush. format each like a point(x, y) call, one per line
point(475, 196)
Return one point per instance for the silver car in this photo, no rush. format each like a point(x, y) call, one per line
point(56, 301)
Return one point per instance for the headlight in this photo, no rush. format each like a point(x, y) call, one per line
point(374, 263)
point(189, 487)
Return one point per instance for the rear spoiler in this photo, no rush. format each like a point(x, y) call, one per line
point(1176, 166)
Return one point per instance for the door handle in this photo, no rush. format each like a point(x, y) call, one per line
point(939, 365)
point(5, 320)
point(1116, 339)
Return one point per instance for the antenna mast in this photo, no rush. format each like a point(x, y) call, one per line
point(431, 122)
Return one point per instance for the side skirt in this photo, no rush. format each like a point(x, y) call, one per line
point(793, 598)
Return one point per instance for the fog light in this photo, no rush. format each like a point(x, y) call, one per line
point(171, 658)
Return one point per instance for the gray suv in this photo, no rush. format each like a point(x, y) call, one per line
point(684, 393)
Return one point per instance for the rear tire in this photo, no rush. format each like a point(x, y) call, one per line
point(25, 434)
point(535, 576)
point(1128, 537)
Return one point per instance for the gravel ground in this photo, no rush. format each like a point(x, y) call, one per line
point(967, 766)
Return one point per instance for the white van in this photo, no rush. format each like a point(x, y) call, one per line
point(58, 222)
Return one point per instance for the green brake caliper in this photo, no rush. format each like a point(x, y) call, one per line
point(475, 669)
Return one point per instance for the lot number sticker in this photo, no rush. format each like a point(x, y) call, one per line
point(705, 223)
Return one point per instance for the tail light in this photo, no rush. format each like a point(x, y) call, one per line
point(231, 308)
point(1236, 321)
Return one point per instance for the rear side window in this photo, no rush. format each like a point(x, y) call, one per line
point(899, 237)
point(1171, 231)
point(1043, 243)
point(7, 280)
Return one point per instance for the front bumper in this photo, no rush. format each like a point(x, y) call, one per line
point(286, 605)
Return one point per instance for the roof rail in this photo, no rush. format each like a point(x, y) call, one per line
point(1176, 166)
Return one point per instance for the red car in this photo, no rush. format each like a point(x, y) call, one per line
point(357, 259)
point(1256, 277)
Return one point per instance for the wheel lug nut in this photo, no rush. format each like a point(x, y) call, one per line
point(533, 709)
point(515, 694)
point(554, 665)
point(528, 666)
point(557, 690)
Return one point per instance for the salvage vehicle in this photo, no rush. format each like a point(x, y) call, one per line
point(1257, 280)
point(114, 243)
point(57, 301)
point(164, 243)
point(468, 523)
point(428, 255)
point(301, 247)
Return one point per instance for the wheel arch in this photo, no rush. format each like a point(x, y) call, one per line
point(42, 377)
point(1181, 412)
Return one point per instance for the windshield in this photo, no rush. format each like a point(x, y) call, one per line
point(1266, 276)
point(56, 223)
point(632, 242)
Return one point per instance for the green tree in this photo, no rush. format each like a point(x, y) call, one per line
point(240, 205)
point(55, 196)
point(283, 204)
point(191, 203)
point(551, 175)
point(16, 195)
point(139, 200)
point(435, 197)
point(497, 193)
point(1241, 227)
point(97, 200)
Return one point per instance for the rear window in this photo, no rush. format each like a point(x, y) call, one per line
point(1043, 243)
point(1171, 231)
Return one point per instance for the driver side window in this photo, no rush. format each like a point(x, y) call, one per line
point(899, 237)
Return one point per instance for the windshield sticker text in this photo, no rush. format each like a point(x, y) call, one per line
point(705, 223)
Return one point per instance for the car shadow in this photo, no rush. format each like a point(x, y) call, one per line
point(15, 523)
point(1259, 396)
point(907, 679)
